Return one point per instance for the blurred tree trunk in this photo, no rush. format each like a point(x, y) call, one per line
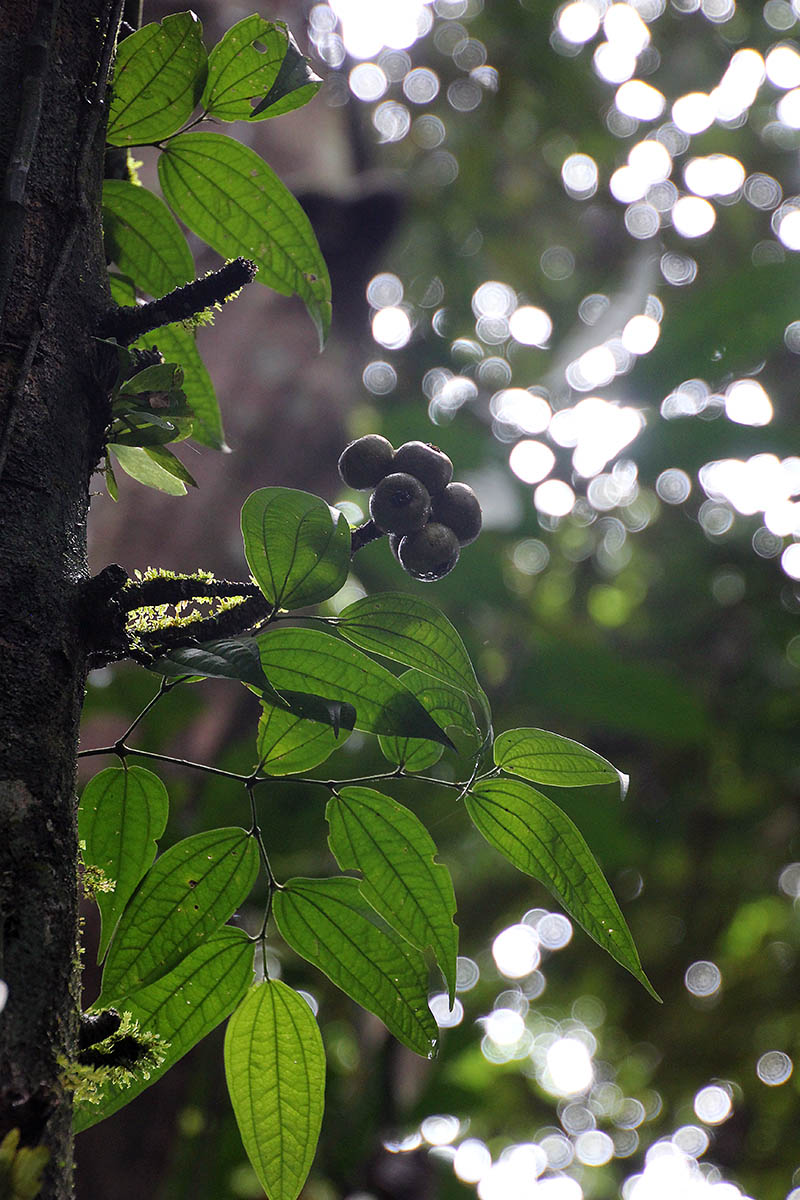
point(52, 120)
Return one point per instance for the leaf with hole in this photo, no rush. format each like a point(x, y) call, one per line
point(122, 814)
point(327, 922)
point(548, 758)
point(159, 75)
point(389, 845)
point(295, 85)
point(192, 889)
point(143, 238)
point(252, 69)
point(308, 660)
point(297, 547)
point(275, 1068)
point(181, 1007)
point(539, 839)
point(228, 196)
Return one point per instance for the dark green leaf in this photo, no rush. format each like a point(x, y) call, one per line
point(410, 631)
point(450, 710)
point(295, 85)
point(158, 79)
point(177, 344)
point(143, 238)
point(190, 891)
point(327, 922)
point(275, 1068)
point(136, 462)
point(551, 759)
point(297, 547)
point(239, 71)
point(181, 1007)
point(307, 660)
point(394, 852)
point(287, 743)
point(122, 814)
point(229, 197)
point(538, 838)
point(227, 658)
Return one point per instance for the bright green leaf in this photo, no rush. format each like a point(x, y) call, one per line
point(551, 759)
point(143, 238)
point(159, 76)
point(166, 460)
point(307, 660)
point(181, 1007)
point(239, 71)
point(122, 814)
point(294, 86)
point(411, 631)
point(297, 547)
point(158, 377)
point(287, 743)
point(178, 345)
point(136, 462)
point(229, 197)
point(190, 891)
point(538, 838)
point(450, 710)
point(394, 852)
point(275, 1068)
point(327, 922)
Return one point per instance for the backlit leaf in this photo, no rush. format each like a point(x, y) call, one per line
point(181, 1007)
point(449, 708)
point(159, 76)
point(229, 197)
point(294, 86)
point(307, 660)
point(136, 462)
point(275, 1068)
point(190, 891)
point(389, 845)
point(242, 68)
point(178, 345)
point(122, 814)
point(538, 838)
point(143, 238)
point(548, 758)
point(327, 922)
point(297, 547)
point(287, 743)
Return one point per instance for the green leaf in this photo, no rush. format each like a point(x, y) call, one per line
point(122, 814)
point(166, 460)
point(327, 922)
point(136, 462)
point(181, 1007)
point(163, 377)
point(297, 547)
point(449, 708)
point(226, 658)
point(394, 852)
point(229, 197)
point(122, 288)
point(538, 838)
point(549, 758)
point(275, 1068)
point(307, 660)
point(287, 743)
point(410, 631)
point(158, 79)
point(177, 344)
point(143, 238)
point(294, 86)
point(239, 70)
point(190, 891)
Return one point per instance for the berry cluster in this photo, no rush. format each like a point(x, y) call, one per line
point(428, 518)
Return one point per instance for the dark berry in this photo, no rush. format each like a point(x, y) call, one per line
point(366, 461)
point(425, 462)
point(429, 554)
point(400, 504)
point(459, 507)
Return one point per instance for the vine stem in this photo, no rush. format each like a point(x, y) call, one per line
point(166, 686)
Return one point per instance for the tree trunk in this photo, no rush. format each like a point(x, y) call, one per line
point(54, 60)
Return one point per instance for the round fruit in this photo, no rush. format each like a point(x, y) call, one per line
point(366, 461)
point(429, 554)
point(425, 462)
point(400, 504)
point(459, 507)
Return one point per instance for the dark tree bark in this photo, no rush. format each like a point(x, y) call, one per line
point(54, 62)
